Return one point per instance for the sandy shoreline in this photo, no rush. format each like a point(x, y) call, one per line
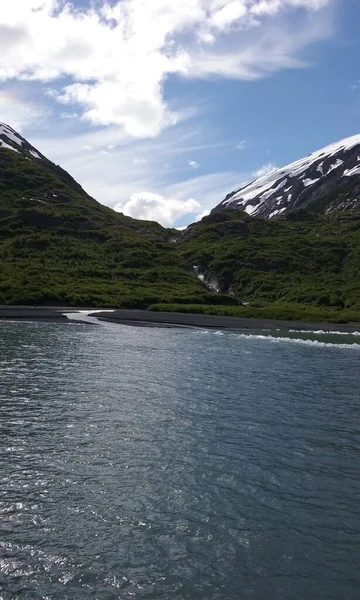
point(31, 313)
point(166, 319)
point(171, 319)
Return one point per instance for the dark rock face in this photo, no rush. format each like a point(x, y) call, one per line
point(324, 181)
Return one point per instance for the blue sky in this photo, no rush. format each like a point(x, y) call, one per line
point(159, 109)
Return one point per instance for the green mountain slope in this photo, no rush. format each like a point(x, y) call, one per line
point(58, 245)
point(304, 258)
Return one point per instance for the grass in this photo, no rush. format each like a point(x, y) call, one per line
point(312, 261)
point(286, 312)
point(59, 246)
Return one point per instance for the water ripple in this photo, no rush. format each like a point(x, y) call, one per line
point(169, 464)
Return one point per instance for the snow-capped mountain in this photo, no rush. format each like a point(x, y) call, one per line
point(11, 140)
point(27, 174)
point(330, 176)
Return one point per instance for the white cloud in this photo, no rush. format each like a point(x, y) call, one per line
point(264, 170)
point(228, 14)
point(204, 213)
point(154, 207)
point(115, 57)
point(68, 115)
point(114, 177)
point(19, 112)
point(241, 145)
point(193, 164)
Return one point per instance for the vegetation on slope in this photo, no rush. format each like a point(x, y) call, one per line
point(277, 310)
point(307, 259)
point(59, 246)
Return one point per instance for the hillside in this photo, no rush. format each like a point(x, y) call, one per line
point(58, 245)
point(327, 180)
point(303, 258)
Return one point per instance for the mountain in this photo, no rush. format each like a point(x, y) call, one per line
point(325, 181)
point(59, 246)
point(299, 263)
point(11, 140)
point(289, 237)
point(27, 177)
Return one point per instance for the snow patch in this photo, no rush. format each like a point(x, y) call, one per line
point(250, 209)
point(11, 140)
point(276, 212)
point(351, 172)
point(308, 182)
point(35, 154)
point(267, 185)
point(7, 146)
point(259, 190)
point(336, 164)
point(10, 134)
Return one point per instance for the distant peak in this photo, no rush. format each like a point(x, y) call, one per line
point(11, 140)
point(301, 182)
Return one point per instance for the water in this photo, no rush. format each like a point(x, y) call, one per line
point(177, 464)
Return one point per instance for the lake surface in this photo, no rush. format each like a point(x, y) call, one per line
point(177, 464)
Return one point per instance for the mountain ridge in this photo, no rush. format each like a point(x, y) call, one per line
point(12, 140)
point(309, 183)
point(58, 245)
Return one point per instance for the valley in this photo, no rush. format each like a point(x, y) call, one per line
point(59, 246)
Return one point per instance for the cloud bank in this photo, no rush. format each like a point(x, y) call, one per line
point(109, 62)
point(154, 207)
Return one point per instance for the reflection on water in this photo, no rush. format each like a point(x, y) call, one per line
point(170, 463)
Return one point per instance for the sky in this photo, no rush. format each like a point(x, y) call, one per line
point(159, 108)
